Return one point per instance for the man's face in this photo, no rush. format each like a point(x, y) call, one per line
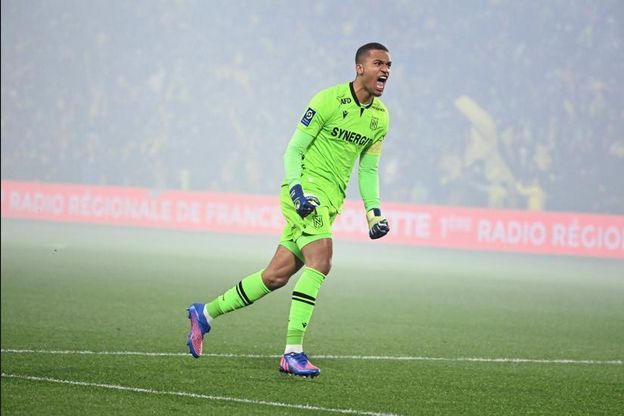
point(374, 71)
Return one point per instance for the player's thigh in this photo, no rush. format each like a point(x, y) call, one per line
point(318, 254)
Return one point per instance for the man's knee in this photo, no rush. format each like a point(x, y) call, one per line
point(280, 269)
point(276, 278)
point(318, 255)
point(321, 264)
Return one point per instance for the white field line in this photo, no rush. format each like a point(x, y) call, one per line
point(197, 395)
point(327, 357)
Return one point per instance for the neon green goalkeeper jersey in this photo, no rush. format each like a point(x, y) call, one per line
point(343, 130)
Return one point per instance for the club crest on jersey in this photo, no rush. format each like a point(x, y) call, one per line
point(307, 117)
point(374, 123)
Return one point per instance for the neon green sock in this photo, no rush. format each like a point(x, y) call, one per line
point(302, 304)
point(246, 292)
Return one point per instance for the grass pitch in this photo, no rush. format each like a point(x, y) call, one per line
point(94, 322)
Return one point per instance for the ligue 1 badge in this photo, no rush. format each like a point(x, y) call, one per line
point(307, 117)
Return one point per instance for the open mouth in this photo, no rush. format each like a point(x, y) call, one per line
point(381, 82)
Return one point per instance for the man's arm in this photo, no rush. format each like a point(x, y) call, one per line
point(293, 156)
point(368, 178)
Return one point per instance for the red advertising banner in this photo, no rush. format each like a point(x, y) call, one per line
point(425, 225)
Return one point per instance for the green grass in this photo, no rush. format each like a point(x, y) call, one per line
point(83, 288)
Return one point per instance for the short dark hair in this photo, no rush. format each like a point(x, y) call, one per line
point(364, 49)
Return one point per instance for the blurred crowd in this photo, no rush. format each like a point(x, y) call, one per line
point(493, 103)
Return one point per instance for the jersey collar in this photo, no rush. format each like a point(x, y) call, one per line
point(356, 99)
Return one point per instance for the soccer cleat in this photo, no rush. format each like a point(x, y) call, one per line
point(297, 363)
point(199, 328)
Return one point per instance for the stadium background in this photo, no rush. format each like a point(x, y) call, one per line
point(495, 104)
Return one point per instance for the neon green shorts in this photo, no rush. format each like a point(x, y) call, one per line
point(298, 231)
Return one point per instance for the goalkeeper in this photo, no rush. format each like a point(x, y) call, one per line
point(342, 124)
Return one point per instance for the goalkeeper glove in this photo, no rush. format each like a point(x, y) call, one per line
point(377, 225)
point(304, 204)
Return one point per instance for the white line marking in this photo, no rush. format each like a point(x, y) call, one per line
point(328, 357)
point(197, 395)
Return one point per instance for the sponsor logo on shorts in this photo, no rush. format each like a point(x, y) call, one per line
point(317, 221)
